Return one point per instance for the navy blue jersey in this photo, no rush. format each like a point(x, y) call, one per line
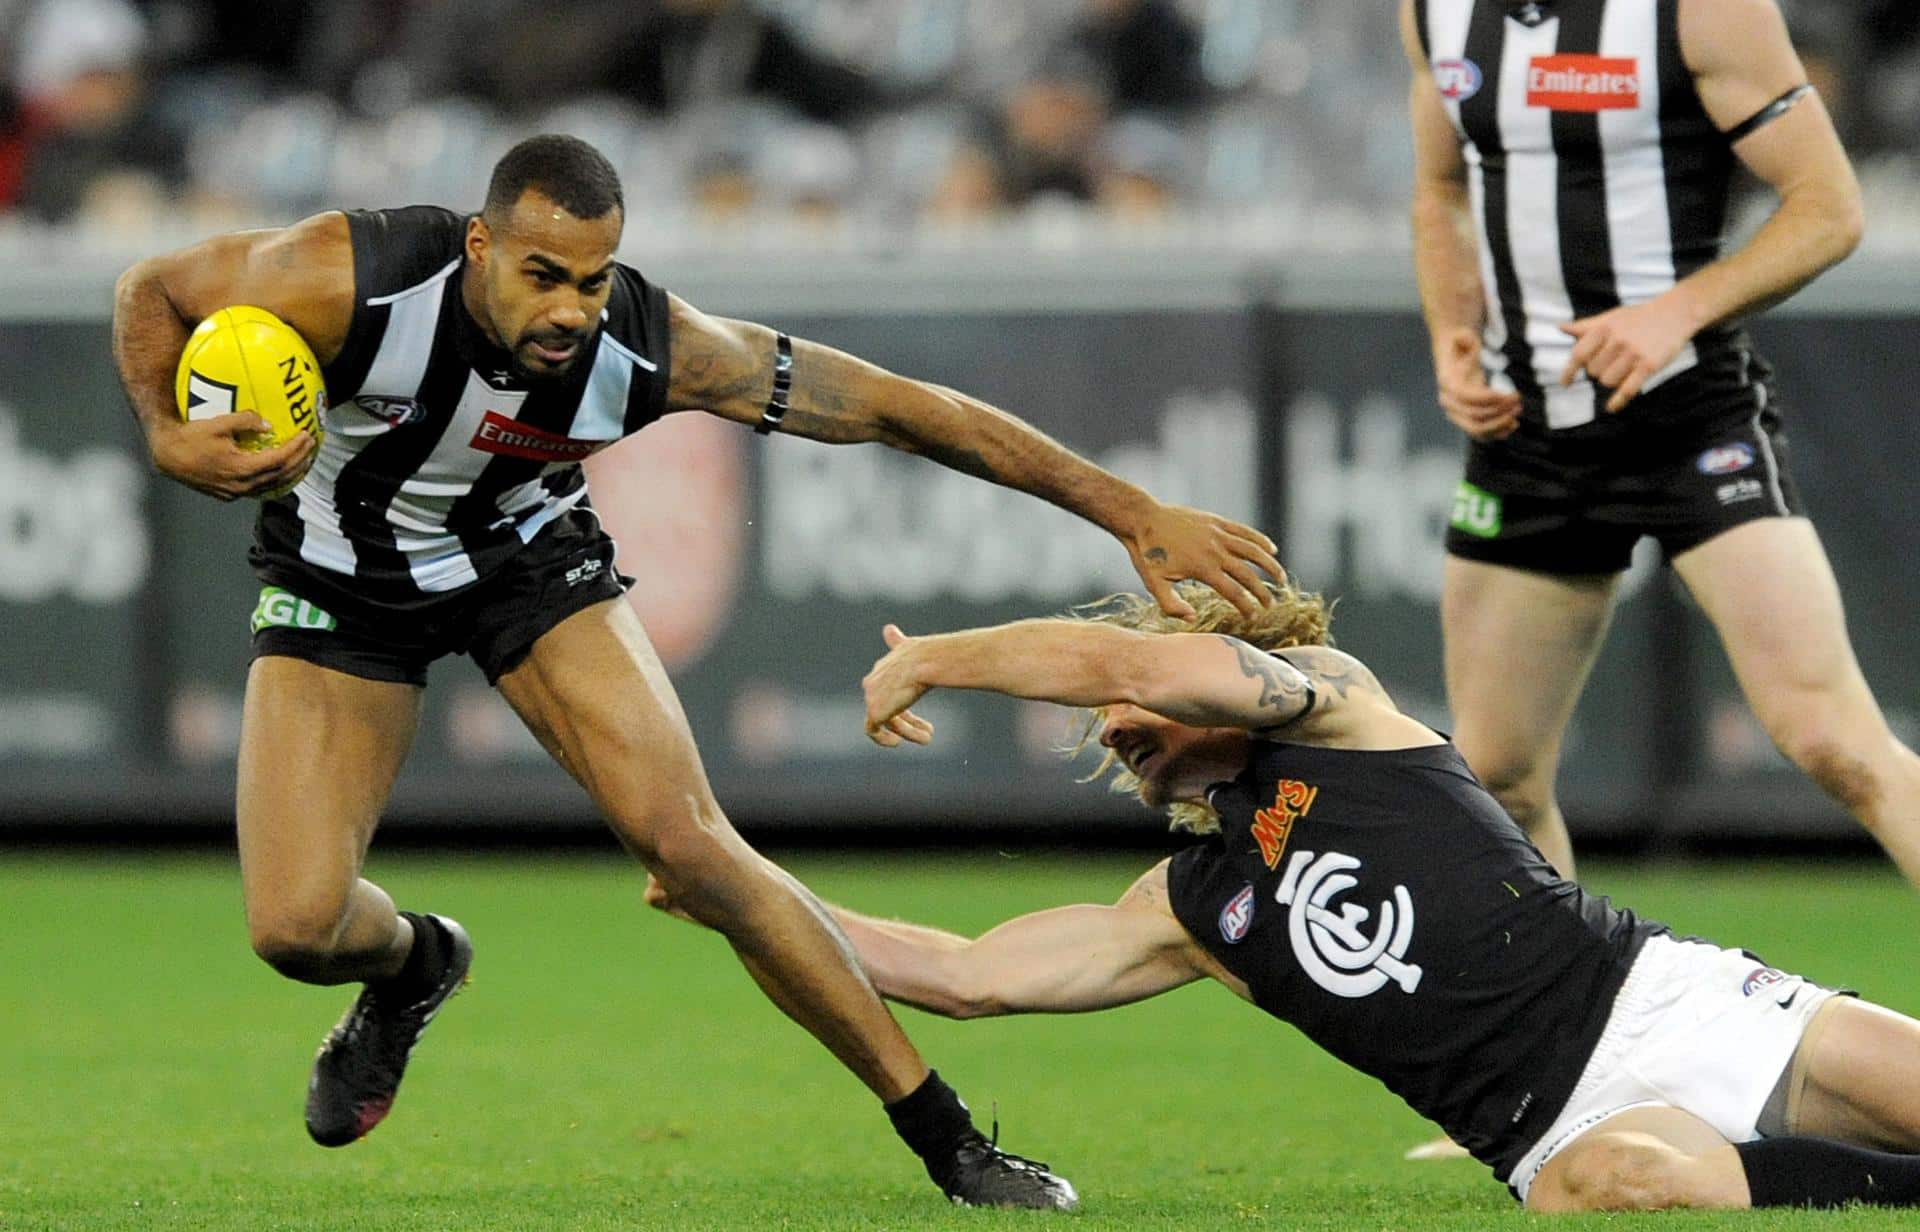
point(1384, 904)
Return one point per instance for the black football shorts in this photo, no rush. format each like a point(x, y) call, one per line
point(566, 568)
point(1577, 500)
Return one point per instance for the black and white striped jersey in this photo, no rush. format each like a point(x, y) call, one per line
point(1596, 177)
point(439, 461)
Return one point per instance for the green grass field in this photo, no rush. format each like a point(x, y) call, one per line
point(610, 1068)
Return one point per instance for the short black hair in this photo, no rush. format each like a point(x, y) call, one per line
point(577, 177)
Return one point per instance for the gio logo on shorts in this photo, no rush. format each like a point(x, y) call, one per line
point(283, 609)
point(1328, 942)
point(1476, 511)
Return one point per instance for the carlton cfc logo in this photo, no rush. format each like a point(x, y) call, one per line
point(1459, 80)
point(1331, 943)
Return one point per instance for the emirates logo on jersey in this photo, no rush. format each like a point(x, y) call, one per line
point(498, 434)
point(1583, 83)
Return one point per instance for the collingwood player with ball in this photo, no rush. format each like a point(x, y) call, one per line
point(470, 363)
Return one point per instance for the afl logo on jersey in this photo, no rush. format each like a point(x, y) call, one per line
point(1237, 917)
point(1725, 459)
point(1762, 978)
point(1330, 941)
point(1459, 80)
point(397, 411)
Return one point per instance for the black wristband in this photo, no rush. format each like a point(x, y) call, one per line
point(931, 1119)
point(782, 385)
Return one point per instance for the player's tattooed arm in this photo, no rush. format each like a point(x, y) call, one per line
point(1286, 695)
point(1333, 673)
point(727, 368)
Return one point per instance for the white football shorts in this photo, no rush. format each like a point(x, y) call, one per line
point(1695, 1027)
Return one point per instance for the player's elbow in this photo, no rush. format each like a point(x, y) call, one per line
point(1847, 226)
point(968, 991)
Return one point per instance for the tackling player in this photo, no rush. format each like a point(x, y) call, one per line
point(1354, 879)
point(473, 361)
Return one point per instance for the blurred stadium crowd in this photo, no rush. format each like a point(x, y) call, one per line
point(877, 120)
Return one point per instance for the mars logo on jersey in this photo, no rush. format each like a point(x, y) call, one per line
point(498, 434)
point(1330, 942)
point(1272, 826)
point(1459, 80)
point(1237, 917)
point(1583, 83)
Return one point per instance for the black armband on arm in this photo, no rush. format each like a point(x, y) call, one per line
point(782, 385)
point(1768, 114)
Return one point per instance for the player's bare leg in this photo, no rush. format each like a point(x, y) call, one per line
point(1857, 1077)
point(1769, 590)
point(1519, 646)
point(319, 751)
point(1644, 1159)
point(595, 694)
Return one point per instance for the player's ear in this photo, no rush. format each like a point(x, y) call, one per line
point(479, 239)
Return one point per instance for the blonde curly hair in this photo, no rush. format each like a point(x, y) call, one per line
point(1296, 618)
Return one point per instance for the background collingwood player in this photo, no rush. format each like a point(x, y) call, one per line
point(1573, 166)
point(1355, 880)
point(472, 362)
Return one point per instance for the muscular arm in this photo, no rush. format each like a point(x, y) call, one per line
point(1742, 59)
point(1200, 679)
point(1067, 960)
point(302, 274)
point(1446, 254)
point(726, 368)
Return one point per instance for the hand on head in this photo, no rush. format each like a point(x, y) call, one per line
point(1174, 543)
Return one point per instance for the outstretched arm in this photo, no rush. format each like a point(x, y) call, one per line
point(727, 368)
point(1201, 679)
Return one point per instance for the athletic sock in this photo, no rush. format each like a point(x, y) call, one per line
point(1819, 1172)
point(932, 1119)
point(426, 957)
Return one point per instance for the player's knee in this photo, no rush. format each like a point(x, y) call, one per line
point(300, 947)
point(1623, 1172)
point(1517, 784)
point(1839, 769)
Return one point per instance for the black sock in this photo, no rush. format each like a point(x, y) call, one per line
point(425, 958)
point(1817, 1172)
point(932, 1119)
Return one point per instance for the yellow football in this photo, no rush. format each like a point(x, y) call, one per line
point(247, 359)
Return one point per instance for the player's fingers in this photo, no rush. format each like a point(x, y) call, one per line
point(1248, 577)
point(1581, 357)
point(1236, 530)
point(1258, 554)
point(1233, 591)
point(239, 423)
point(882, 735)
point(1166, 596)
point(910, 727)
point(1629, 390)
point(892, 636)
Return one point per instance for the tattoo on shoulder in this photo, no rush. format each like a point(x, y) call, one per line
point(1282, 689)
point(1157, 555)
point(1332, 669)
point(707, 373)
